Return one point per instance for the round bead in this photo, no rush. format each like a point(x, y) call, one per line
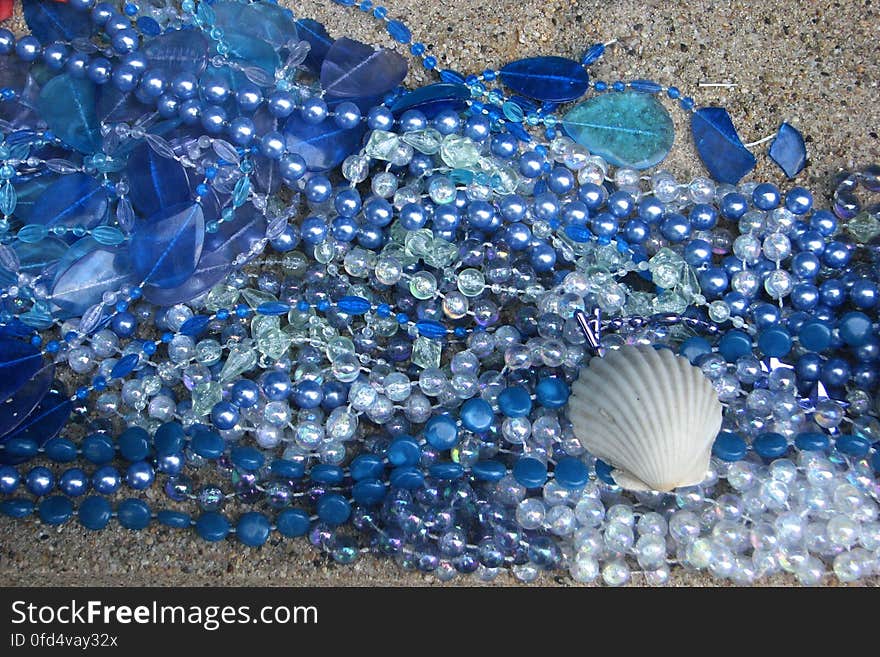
point(95, 513)
point(253, 529)
point(530, 472)
point(476, 415)
point(212, 526)
point(729, 447)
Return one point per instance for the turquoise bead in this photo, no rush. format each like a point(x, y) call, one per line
point(134, 444)
point(207, 444)
point(855, 446)
point(247, 458)
point(333, 509)
point(175, 519)
point(729, 447)
point(97, 449)
point(515, 402)
point(169, 439)
point(441, 432)
point(812, 441)
point(477, 415)
point(775, 342)
point(253, 529)
point(530, 472)
point(552, 392)
point(694, 347)
point(770, 445)
point(489, 470)
point(324, 473)
point(17, 507)
point(366, 466)
point(735, 344)
point(571, 473)
point(368, 491)
point(628, 129)
point(60, 450)
point(404, 451)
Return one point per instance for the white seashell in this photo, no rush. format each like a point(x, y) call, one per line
point(648, 413)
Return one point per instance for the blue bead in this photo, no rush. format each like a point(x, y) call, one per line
point(770, 445)
point(812, 442)
point(9, 479)
point(729, 447)
point(95, 512)
point(571, 473)
point(247, 458)
point(734, 345)
point(106, 480)
point(21, 448)
point(546, 78)
point(766, 196)
point(134, 444)
point(286, 469)
point(17, 507)
point(775, 342)
point(489, 470)
point(404, 452)
point(292, 522)
point(212, 526)
point(175, 519)
point(407, 477)
point(333, 509)
point(73, 482)
point(441, 432)
point(515, 402)
point(855, 446)
point(366, 466)
point(325, 473)
point(368, 492)
point(55, 510)
point(207, 444)
point(788, 150)
point(694, 347)
point(169, 439)
point(530, 472)
point(253, 529)
point(140, 475)
point(552, 392)
point(477, 415)
point(40, 481)
point(815, 335)
point(446, 471)
point(431, 329)
point(719, 145)
point(798, 200)
point(855, 328)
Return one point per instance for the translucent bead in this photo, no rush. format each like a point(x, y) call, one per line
point(81, 359)
point(658, 576)
point(746, 282)
point(615, 573)
point(441, 190)
point(584, 569)
point(777, 247)
point(810, 572)
point(530, 513)
point(651, 551)
point(471, 282)
point(778, 284)
point(589, 512)
point(356, 168)
point(388, 270)
point(423, 285)
point(843, 531)
point(719, 311)
point(384, 184)
point(684, 526)
point(664, 186)
point(847, 567)
point(526, 572)
point(701, 190)
point(747, 248)
point(699, 552)
point(560, 520)
point(618, 537)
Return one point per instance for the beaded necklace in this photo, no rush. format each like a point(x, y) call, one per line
point(393, 376)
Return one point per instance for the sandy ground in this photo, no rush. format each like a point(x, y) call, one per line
point(813, 64)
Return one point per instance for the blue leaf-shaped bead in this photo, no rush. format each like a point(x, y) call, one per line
point(355, 70)
point(273, 308)
point(178, 51)
point(432, 99)
point(55, 21)
point(431, 328)
point(15, 409)
point(323, 146)
point(788, 150)
point(45, 421)
point(124, 366)
point(156, 182)
point(629, 129)
point(67, 105)
point(554, 79)
point(19, 361)
point(320, 42)
point(166, 248)
point(719, 145)
point(77, 199)
point(81, 282)
point(114, 106)
point(262, 21)
point(195, 325)
point(354, 305)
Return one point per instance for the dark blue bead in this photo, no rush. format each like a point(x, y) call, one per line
point(835, 372)
point(552, 392)
point(292, 522)
point(766, 196)
point(441, 432)
point(140, 475)
point(788, 150)
point(446, 471)
point(95, 512)
point(366, 466)
point(21, 448)
point(333, 509)
point(489, 470)
point(854, 446)
point(774, 342)
point(60, 450)
point(175, 519)
point(325, 473)
point(734, 205)
point(734, 345)
point(476, 415)
point(73, 482)
point(253, 529)
point(571, 473)
point(106, 480)
point(815, 335)
point(55, 510)
point(404, 451)
point(812, 442)
point(770, 445)
point(603, 472)
point(246, 458)
point(408, 477)
point(554, 79)
point(530, 472)
point(134, 444)
point(515, 402)
point(9, 479)
point(133, 514)
point(694, 347)
point(207, 444)
point(169, 439)
point(212, 526)
point(17, 507)
point(368, 492)
point(40, 481)
point(719, 145)
point(855, 328)
point(729, 447)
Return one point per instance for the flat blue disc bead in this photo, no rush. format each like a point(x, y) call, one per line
point(515, 402)
point(368, 491)
point(98, 449)
point(207, 444)
point(446, 471)
point(812, 441)
point(770, 445)
point(253, 529)
point(175, 519)
point(729, 447)
point(489, 470)
point(694, 347)
point(734, 345)
point(333, 509)
point(854, 446)
point(552, 392)
point(249, 459)
point(815, 335)
point(55, 510)
point(134, 444)
point(17, 507)
point(292, 522)
point(169, 439)
point(60, 450)
point(95, 512)
point(366, 466)
point(212, 526)
point(530, 472)
point(325, 473)
point(441, 432)
point(571, 473)
point(477, 415)
point(774, 342)
point(404, 451)
point(408, 477)
point(133, 514)
point(286, 469)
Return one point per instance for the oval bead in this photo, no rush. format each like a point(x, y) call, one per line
point(548, 79)
point(212, 526)
point(292, 522)
point(253, 529)
point(95, 512)
point(133, 514)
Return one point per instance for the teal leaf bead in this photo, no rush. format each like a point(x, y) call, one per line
point(263, 21)
point(67, 104)
point(178, 51)
point(548, 79)
point(166, 248)
point(719, 145)
point(8, 198)
point(32, 233)
point(108, 235)
point(629, 129)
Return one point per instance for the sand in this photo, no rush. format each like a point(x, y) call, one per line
point(813, 64)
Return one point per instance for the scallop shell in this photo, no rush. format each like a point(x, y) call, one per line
point(648, 413)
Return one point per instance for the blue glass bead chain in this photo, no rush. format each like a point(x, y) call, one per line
point(394, 378)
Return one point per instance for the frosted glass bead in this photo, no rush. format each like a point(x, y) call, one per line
point(777, 247)
point(618, 537)
point(652, 524)
point(664, 186)
point(588, 541)
point(560, 520)
point(81, 359)
point(531, 513)
point(828, 414)
point(783, 470)
point(746, 282)
point(471, 282)
point(384, 184)
point(423, 285)
point(627, 178)
point(811, 572)
point(308, 435)
point(526, 572)
point(741, 475)
point(589, 512)
point(843, 531)
point(388, 270)
point(847, 567)
point(684, 526)
point(721, 560)
point(778, 284)
point(701, 190)
point(651, 551)
point(765, 563)
point(615, 573)
point(699, 552)
point(622, 513)
point(869, 535)
point(747, 248)
point(743, 573)
point(584, 569)
point(658, 576)
point(181, 349)
point(441, 190)
point(268, 436)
